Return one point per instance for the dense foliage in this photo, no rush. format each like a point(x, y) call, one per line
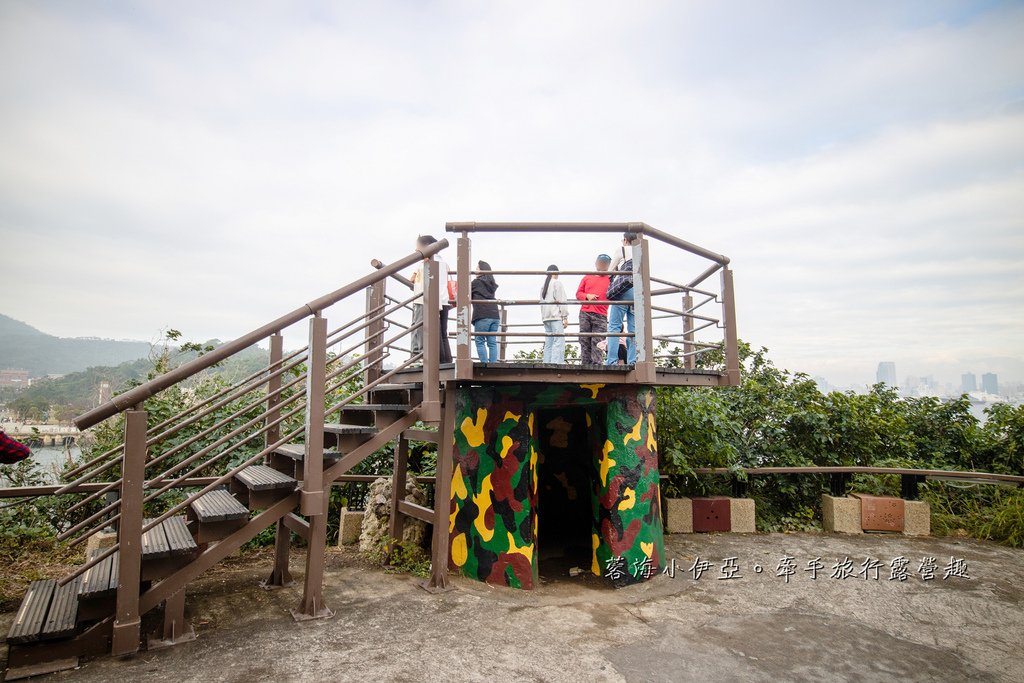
point(774, 418)
point(72, 394)
point(778, 418)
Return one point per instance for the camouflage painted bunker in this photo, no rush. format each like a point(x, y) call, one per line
point(552, 476)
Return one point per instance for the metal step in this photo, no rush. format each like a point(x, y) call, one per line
point(259, 486)
point(100, 580)
point(218, 506)
point(63, 614)
point(380, 407)
point(408, 386)
point(297, 451)
point(215, 515)
point(347, 429)
point(263, 478)
point(169, 539)
point(47, 612)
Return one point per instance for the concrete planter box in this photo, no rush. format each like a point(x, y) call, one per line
point(679, 515)
point(843, 515)
point(350, 526)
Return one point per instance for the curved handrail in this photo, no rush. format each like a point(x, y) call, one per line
point(639, 228)
point(143, 391)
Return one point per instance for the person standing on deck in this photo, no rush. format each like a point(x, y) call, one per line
point(621, 289)
point(416, 344)
point(485, 316)
point(593, 317)
point(555, 314)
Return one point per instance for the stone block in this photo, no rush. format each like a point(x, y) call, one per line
point(678, 515)
point(917, 518)
point(840, 515)
point(99, 540)
point(350, 526)
point(742, 515)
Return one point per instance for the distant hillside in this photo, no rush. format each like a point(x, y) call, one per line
point(77, 392)
point(23, 346)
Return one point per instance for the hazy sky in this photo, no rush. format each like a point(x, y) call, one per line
point(208, 166)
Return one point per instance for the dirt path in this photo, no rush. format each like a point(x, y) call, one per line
point(756, 627)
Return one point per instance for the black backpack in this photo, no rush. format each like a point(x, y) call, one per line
point(620, 284)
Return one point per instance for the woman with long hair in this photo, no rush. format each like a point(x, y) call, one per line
point(444, 350)
point(555, 314)
point(485, 315)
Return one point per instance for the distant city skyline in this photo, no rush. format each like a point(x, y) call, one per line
point(968, 382)
point(886, 373)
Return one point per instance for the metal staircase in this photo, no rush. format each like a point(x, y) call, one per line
point(264, 452)
point(284, 484)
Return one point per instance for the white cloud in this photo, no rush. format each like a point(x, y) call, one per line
point(211, 166)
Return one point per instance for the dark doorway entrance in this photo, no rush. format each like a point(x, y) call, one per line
point(565, 507)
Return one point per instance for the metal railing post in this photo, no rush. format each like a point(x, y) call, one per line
point(439, 551)
point(644, 339)
point(503, 317)
point(430, 411)
point(313, 498)
point(273, 385)
point(732, 351)
point(399, 476)
point(375, 303)
point(463, 333)
point(127, 621)
point(689, 360)
point(280, 576)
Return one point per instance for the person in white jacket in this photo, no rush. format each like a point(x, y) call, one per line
point(555, 314)
point(444, 305)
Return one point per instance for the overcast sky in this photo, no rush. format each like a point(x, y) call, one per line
point(208, 166)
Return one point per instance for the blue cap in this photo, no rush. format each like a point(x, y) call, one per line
point(604, 257)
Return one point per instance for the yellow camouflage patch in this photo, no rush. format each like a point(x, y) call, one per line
point(606, 461)
point(460, 551)
point(474, 431)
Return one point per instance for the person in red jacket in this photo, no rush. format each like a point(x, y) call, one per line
point(12, 451)
point(593, 317)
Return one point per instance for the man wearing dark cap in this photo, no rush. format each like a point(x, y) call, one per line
point(593, 317)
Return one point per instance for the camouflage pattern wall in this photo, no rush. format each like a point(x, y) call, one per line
point(501, 434)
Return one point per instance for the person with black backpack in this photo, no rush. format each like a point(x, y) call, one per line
point(621, 289)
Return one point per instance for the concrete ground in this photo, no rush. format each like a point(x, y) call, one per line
point(756, 627)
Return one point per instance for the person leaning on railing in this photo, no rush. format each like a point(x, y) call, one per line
point(416, 343)
point(12, 451)
point(555, 314)
point(485, 316)
point(593, 317)
point(621, 289)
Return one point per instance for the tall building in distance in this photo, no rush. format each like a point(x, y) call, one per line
point(886, 373)
point(968, 382)
point(990, 383)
